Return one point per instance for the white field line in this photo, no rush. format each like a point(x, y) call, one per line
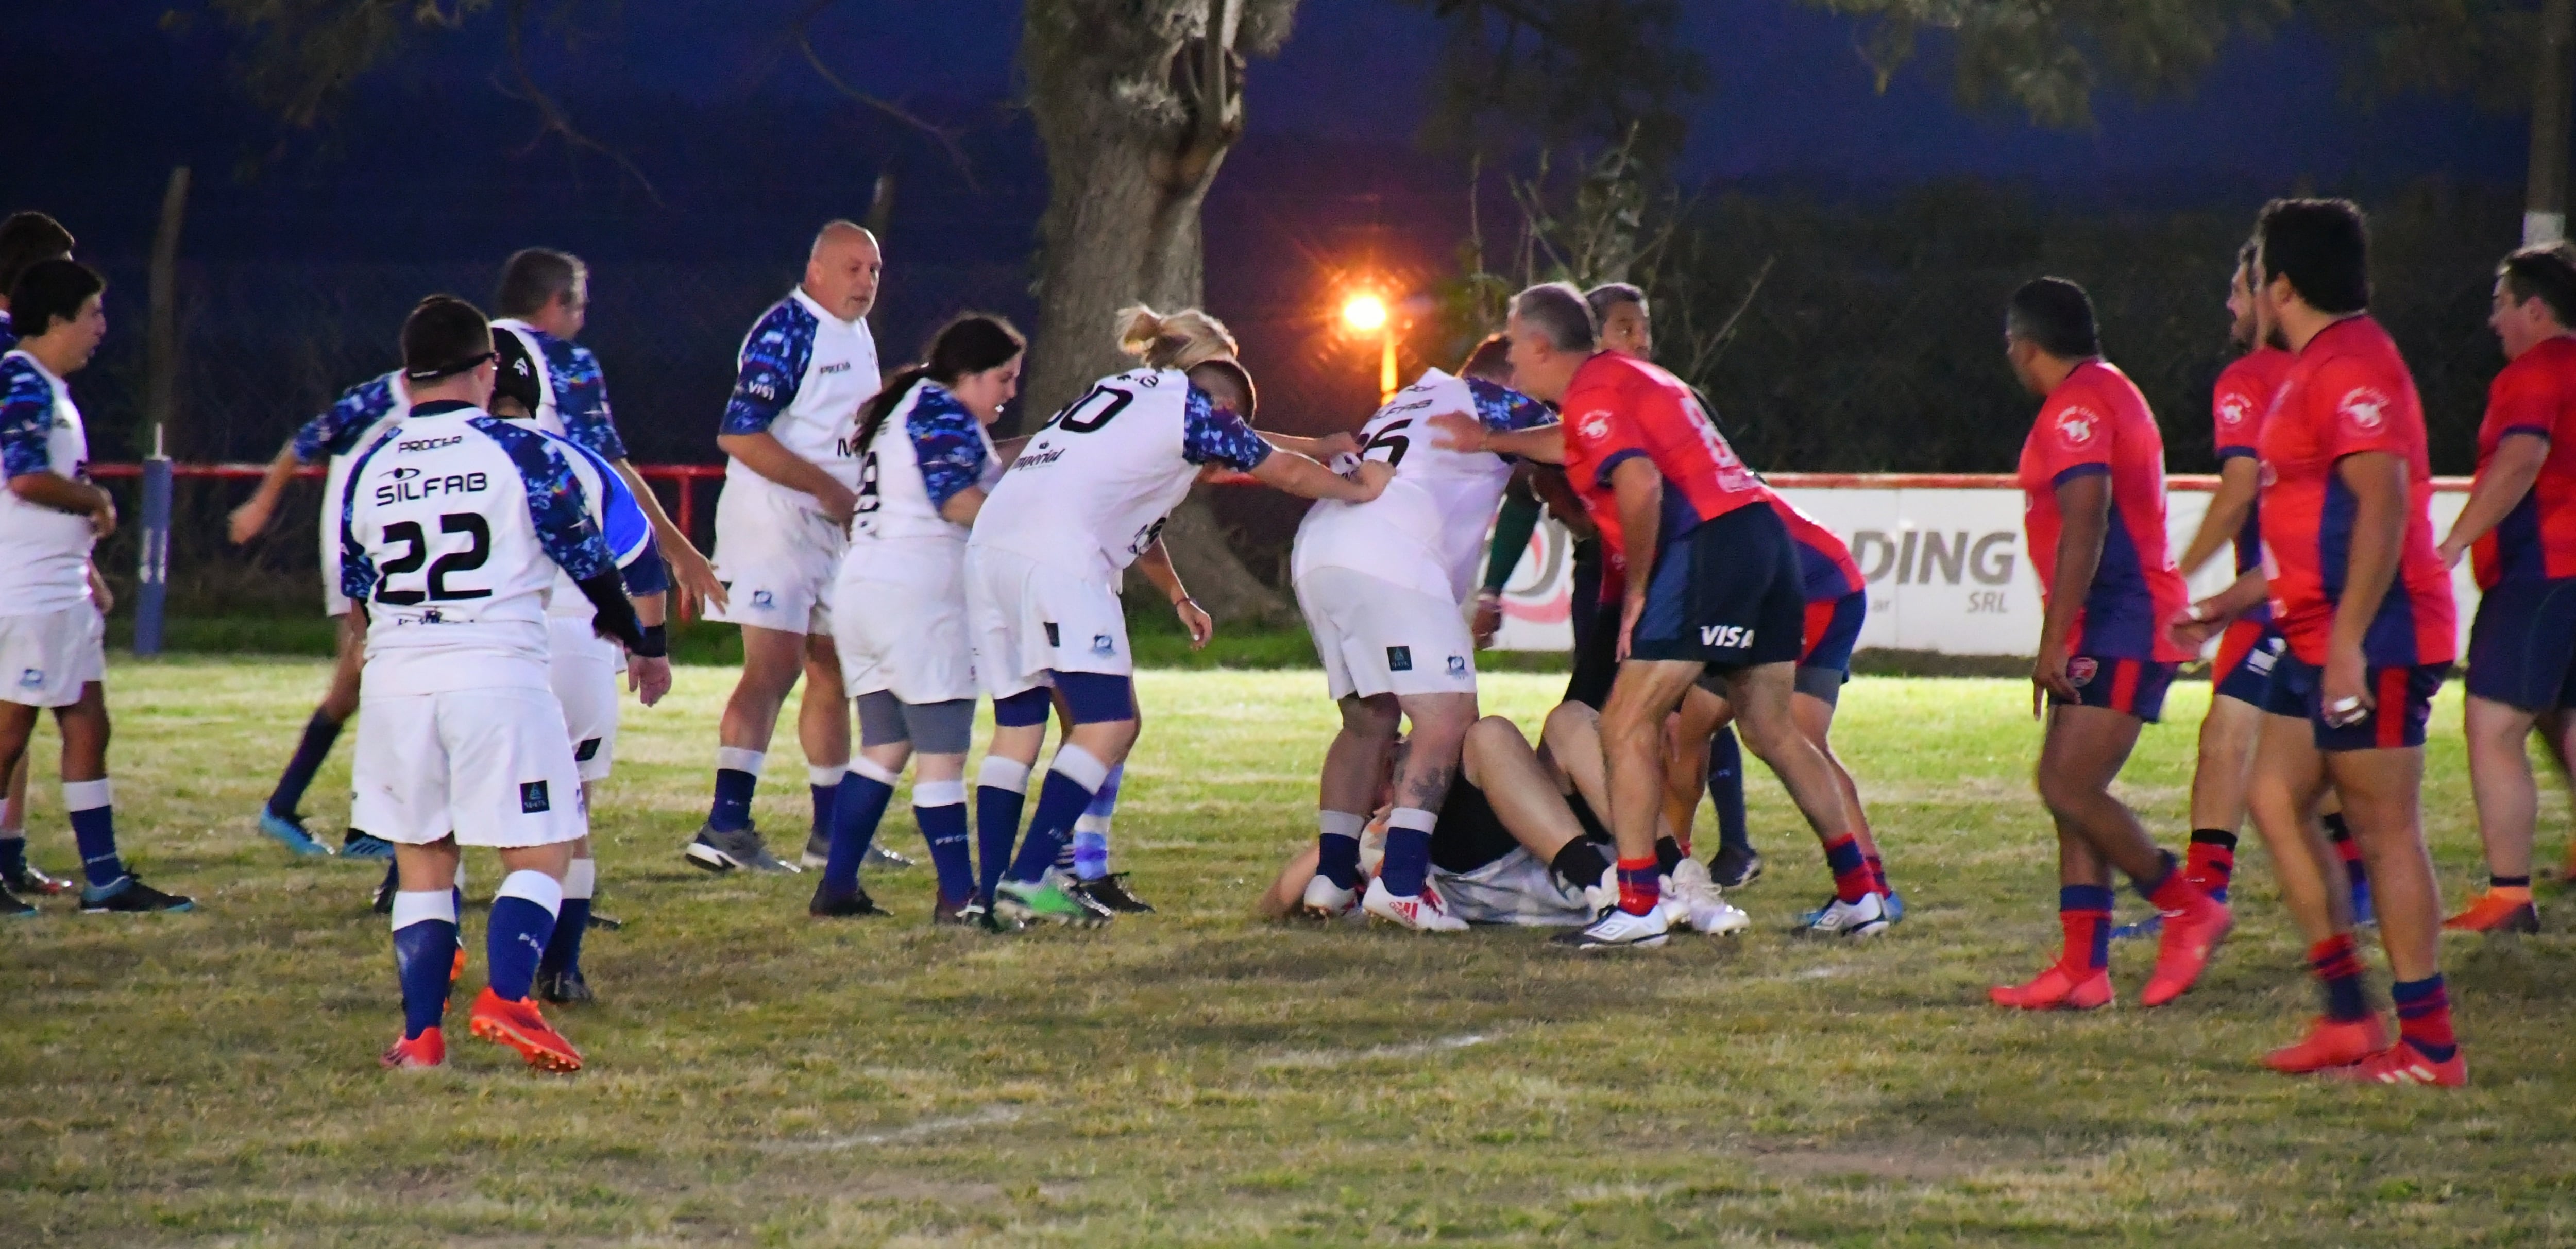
point(917, 1130)
point(1326, 1059)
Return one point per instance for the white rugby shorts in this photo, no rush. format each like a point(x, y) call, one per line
point(491, 766)
point(776, 556)
point(582, 667)
point(46, 658)
point(1514, 889)
point(1026, 618)
point(1377, 637)
point(901, 614)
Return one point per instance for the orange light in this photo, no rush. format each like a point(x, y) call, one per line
point(1364, 313)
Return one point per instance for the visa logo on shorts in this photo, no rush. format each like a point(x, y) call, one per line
point(409, 484)
point(1726, 637)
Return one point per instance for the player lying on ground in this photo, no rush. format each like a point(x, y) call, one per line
point(1518, 841)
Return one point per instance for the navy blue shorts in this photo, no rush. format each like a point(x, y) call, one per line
point(1727, 594)
point(2404, 695)
point(2134, 687)
point(2246, 654)
point(2522, 646)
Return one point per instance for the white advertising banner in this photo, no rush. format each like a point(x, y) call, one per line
point(1947, 568)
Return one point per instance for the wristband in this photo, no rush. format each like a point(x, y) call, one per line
point(657, 642)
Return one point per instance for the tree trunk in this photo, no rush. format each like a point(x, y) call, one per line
point(2544, 215)
point(1137, 104)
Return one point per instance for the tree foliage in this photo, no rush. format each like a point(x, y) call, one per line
point(1564, 74)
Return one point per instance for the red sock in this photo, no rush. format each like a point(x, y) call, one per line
point(1640, 885)
point(2338, 968)
point(2211, 860)
point(1878, 876)
point(1852, 879)
point(2424, 1016)
point(2176, 892)
point(2084, 912)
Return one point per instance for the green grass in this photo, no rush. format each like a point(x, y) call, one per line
point(1197, 1077)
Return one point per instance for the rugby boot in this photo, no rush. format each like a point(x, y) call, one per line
point(1692, 900)
point(14, 907)
point(358, 843)
point(2183, 950)
point(2057, 987)
point(2329, 1043)
point(565, 988)
point(2402, 1063)
point(1110, 893)
point(30, 881)
point(2493, 913)
point(1326, 900)
point(1617, 929)
point(130, 896)
point(720, 852)
point(1734, 867)
point(1851, 921)
point(522, 1027)
point(288, 831)
point(1044, 900)
point(1426, 911)
point(429, 1049)
point(856, 904)
point(881, 859)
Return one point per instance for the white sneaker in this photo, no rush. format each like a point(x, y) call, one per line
point(1326, 900)
point(1603, 894)
point(1617, 929)
point(1422, 912)
point(1854, 920)
point(1692, 899)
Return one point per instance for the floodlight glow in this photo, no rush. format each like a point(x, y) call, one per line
point(1364, 313)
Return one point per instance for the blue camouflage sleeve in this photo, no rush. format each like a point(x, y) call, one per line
point(1210, 434)
point(337, 430)
point(26, 420)
point(772, 368)
point(581, 398)
point(358, 574)
point(556, 504)
point(945, 444)
point(1500, 407)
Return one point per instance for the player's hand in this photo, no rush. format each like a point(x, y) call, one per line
point(1372, 475)
point(1195, 619)
point(1630, 607)
point(696, 580)
point(246, 521)
point(1456, 431)
point(2048, 676)
point(2346, 687)
point(2450, 553)
point(102, 518)
point(840, 503)
point(1337, 444)
point(648, 678)
point(100, 593)
point(2197, 624)
point(1489, 617)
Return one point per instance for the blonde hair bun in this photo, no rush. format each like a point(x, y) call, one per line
point(1179, 340)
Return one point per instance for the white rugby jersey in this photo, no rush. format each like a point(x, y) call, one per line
point(930, 449)
point(452, 528)
point(621, 523)
point(1093, 488)
point(44, 553)
point(1427, 530)
point(361, 415)
point(803, 374)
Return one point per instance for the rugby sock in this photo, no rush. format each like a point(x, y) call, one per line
point(1070, 781)
point(1408, 850)
point(1878, 875)
point(424, 954)
point(2084, 912)
point(523, 920)
point(1091, 831)
point(1640, 886)
point(2509, 888)
point(737, 776)
point(2211, 861)
point(1852, 878)
point(2171, 891)
point(1669, 854)
point(13, 852)
point(1337, 847)
point(1726, 788)
point(939, 807)
point(2424, 1016)
point(1580, 864)
point(858, 805)
point(824, 784)
point(94, 829)
point(1001, 787)
point(319, 734)
point(2338, 967)
point(572, 921)
point(2350, 849)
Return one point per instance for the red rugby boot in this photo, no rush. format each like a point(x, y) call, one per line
point(429, 1049)
point(2402, 1063)
point(2057, 988)
point(2330, 1043)
point(2183, 950)
point(519, 1026)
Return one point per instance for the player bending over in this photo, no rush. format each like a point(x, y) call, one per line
point(1085, 498)
point(453, 528)
point(927, 463)
point(2358, 588)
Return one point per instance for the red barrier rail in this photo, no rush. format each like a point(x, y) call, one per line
point(683, 477)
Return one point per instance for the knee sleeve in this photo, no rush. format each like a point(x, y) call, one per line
point(1097, 697)
point(1026, 709)
point(881, 719)
point(941, 728)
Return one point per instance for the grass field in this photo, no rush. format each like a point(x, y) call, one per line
point(1198, 1077)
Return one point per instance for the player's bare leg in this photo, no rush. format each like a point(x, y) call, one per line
point(1642, 696)
point(2286, 785)
point(772, 660)
point(18, 878)
point(1401, 892)
point(1764, 698)
point(1354, 764)
point(2508, 799)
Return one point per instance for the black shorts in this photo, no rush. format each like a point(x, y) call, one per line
point(1470, 833)
point(1727, 593)
point(1596, 652)
point(2522, 646)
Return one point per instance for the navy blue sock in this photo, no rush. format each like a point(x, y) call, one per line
point(1726, 788)
point(732, 806)
point(424, 954)
point(572, 922)
point(1408, 861)
point(857, 807)
point(943, 825)
point(1337, 847)
point(319, 734)
point(997, 820)
point(522, 921)
point(94, 829)
point(826, 799)
point(1060, 802)
point(13, 856)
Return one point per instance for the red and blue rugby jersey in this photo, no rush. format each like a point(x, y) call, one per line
point(2349, 393)
point(1619, 408)
point(1825, 567)
point(2096, 422)
point(2237, 407)
point(2535, 395)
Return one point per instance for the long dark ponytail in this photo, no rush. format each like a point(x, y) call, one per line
point(971, 343)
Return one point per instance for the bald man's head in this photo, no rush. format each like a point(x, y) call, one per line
point(842, 269)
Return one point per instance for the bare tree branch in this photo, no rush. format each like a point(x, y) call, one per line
point(944, 136)
point(550, 116)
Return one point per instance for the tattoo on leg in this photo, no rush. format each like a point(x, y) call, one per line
point(1427, 789)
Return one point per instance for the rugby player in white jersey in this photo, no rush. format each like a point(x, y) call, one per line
point(1383, 586)
point(25, 238)
point(790, 488)
point(51, 632)
point(1084, 499)
point(453, 529)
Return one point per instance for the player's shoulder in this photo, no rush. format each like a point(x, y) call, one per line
point(932, 404)
point(787, 322)
point(2549, 366)
point(20, 376)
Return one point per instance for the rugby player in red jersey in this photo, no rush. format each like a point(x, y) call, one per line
point(2521, 522)
point(2093, 480)
point(2363, 597)
point(1711, 586)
